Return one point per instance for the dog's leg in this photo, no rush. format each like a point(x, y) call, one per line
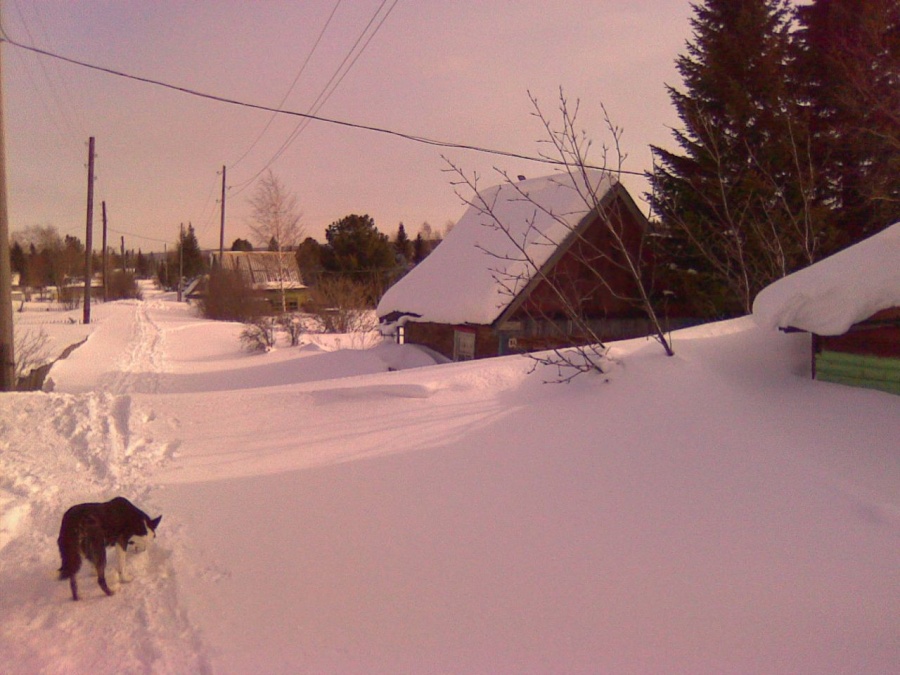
point(101, 570)
point(122, 564)
point(74, 586)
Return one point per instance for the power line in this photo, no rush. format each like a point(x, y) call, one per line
point(138, 236)
point(327, 90)
point(293, 84)
point(317, 118)
point(58, 112)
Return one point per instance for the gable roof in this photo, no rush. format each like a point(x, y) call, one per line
point(828, 297)
point(478, 269)
point(263, 269)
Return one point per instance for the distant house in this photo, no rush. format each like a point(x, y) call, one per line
point(850, 304)
point(484, 290)
point(269, 272)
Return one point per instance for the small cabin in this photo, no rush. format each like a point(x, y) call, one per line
point(850, 304)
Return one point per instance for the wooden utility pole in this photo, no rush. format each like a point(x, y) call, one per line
point(7, 348)
point(89, 234)
point(105, 259)
point(222, 224)
point(180, 262)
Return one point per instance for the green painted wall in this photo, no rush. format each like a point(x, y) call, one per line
point(859, 370)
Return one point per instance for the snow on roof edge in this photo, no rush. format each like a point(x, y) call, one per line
point(828, 297)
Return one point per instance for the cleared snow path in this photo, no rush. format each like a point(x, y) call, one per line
point(88, 442)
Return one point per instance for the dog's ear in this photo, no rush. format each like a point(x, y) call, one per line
point(155, 523)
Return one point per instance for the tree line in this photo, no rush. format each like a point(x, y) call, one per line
point(44, 259)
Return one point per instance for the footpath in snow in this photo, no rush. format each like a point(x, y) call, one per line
point(87, 441)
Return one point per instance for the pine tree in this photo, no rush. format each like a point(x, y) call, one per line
point(403, 245)
point(355, 245)
point(848, 68)
point(357, 250)
point(192, 263)
point(734, 207)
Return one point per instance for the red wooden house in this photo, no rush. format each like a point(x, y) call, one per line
point(501, 280)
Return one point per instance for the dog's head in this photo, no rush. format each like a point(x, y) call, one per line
point(139, 542)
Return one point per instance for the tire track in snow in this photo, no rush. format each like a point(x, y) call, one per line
point(60, 449)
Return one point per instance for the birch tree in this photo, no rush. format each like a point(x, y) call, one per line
point(276, 219)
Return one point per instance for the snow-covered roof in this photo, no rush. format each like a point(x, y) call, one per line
point(827, 298)
point(468, 276)
point(265, 269)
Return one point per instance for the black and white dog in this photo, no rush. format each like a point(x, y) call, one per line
point(87, 529)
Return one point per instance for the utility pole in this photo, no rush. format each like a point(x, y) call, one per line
point(181, 263)
point(222, 225)
point(105, 259)
point(89, 234)
point(7, 348)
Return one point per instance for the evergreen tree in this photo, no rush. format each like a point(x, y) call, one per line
point(848, 69)
point(421, 249)
point(355, 245)
point(403, 245)
point(241, 245)
point(143, 265)
point(192, 263)
point(309, 260)
point(356, 249)
point(734, 207)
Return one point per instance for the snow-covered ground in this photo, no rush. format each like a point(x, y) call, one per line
point(345, 511)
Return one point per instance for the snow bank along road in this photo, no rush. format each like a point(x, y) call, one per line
point(86, 441)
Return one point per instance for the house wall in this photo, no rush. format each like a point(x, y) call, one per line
point(877, 336)
point(591, 273)
point(439, 337)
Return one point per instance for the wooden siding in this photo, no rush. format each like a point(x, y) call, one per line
point(868, 355)
point(859, 370)
point(439, 337)
point(878, 335)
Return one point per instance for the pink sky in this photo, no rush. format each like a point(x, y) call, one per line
point(453, 71)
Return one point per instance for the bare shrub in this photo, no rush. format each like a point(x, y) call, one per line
point(70, 297)
point(30, 350)
point(229, 298)
point(342, 306)
point(122, 285)
point(294, 326)
point(260, 335)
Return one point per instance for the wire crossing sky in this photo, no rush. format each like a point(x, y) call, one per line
point(289, 79)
